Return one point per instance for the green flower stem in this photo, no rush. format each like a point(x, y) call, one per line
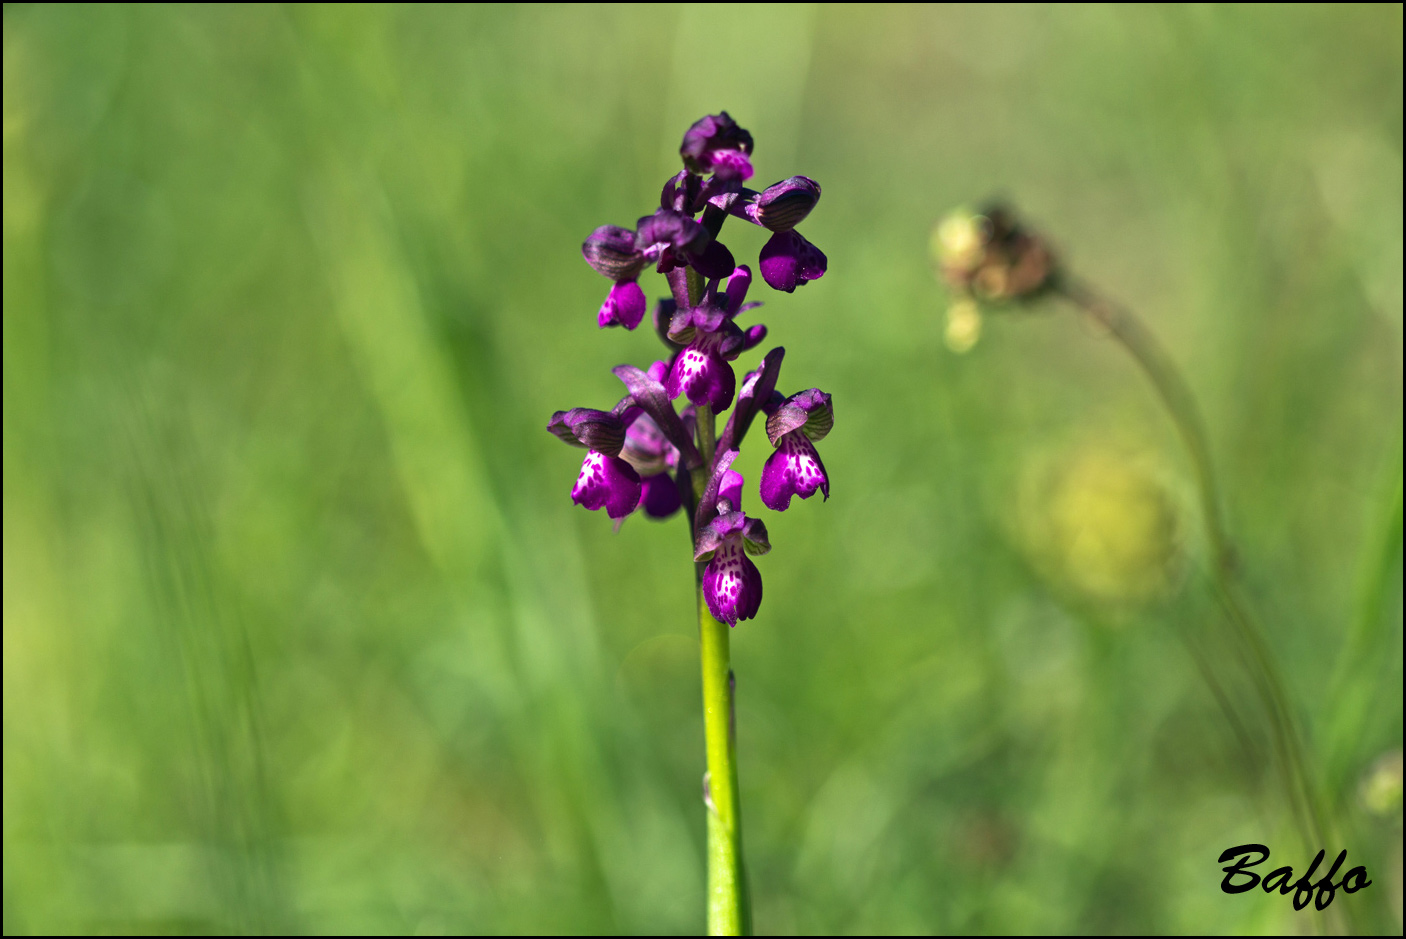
point(728, 909)
point(1129, 331)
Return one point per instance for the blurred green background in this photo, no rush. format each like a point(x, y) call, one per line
point(302, 631)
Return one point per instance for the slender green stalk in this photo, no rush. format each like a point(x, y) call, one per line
point(1129, 331)
point(728, 908)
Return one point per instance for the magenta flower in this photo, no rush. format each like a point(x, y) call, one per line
point(732, 585)
point(611, 252)
point(605, 481)
point(795, 468)
point(787, 261)
point(710, 340)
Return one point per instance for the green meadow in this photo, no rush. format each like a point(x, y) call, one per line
point(303, 633)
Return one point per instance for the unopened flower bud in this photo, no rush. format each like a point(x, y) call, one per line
point(716, 144)
point(786, 204)
point(611, 252)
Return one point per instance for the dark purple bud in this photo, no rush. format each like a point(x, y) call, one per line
point(623, 306)
point(713, 261)
point(737, 284)
point(785, 205)
point(730, 491)
point(611, 252)
point(789, 261)
point(708, 502)
point(682, 193)
point(753, 335)
point(589, 428)
point(716, 144)
point(808, 411)
point(650, 395)
point(659, 495)
point(607, 482)
point(667, 227)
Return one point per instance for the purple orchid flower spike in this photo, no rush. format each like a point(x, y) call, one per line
point(611, 252)
point(795, 468)
point(647, 456)
point(732, 585)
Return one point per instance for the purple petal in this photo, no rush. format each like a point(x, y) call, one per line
point(757, 388)
point(709, 316)
point(724, 527)
point(611, 252)
point(702, 374)
point(589, 428)
point(667, 227)
point(754, 537)
point(646, 448)
point(623, 306)
point(627, 411)
point(794, 469)
point(808, 410)
point(753, 337)
point(607, 482)
point(714, 260)
point(682, 192)
point(659, 496)
point(737, 284)
point(731, 489)
point(650, 395)
point(732, 585)
point(789, 261)
point(708, 503)
point(732, 165)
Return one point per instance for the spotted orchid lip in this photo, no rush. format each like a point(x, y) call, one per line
point(607, 482)
point(795, 469)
